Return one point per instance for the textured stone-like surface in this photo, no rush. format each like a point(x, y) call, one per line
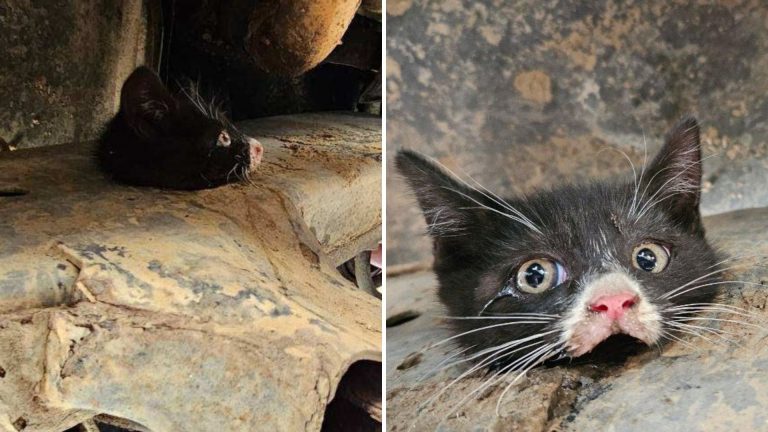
point(526, 93)
point(699, 386)
point(63, 65)
point(191, 311)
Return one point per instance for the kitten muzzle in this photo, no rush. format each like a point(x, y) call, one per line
point(256, 151)
point(611, 304)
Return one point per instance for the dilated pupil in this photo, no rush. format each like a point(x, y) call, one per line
point(646, 259)
point(535, 274)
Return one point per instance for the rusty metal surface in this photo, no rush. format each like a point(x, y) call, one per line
point(210, 310)
point(694, 385)
point(293, 36)
point(525, 93)
point(63, 65)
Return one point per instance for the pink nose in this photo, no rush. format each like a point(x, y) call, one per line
point(614, 305)
point(256, 150)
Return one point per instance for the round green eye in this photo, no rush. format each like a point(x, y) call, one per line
point(650, 257)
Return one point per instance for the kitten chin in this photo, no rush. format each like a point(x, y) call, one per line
point(570, 271)
point(173, 141)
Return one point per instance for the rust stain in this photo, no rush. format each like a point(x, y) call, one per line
point(535, 86)
point(398, 7)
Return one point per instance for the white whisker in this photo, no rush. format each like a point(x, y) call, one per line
point(503, 348)
point(692, 329)
point(500, 201)
point(711, 307)
point(486, 328)
point(695, 287)
point(674, 338)
point(698, 335)
point(683, 188)
point(674, 291)
point(744, 323)
point(443, 362)
point(506, 368)
point(485, 207)
point(631, 165)
point(518, 215)
point(522, 314)
point(502, 317)
point(494, 355)
point(531, 364)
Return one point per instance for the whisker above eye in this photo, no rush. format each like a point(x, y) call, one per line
point(636, 197)
point(652, 200)
point(492, 197)
point(498, 200)
point(634, 172)
point(482, 206)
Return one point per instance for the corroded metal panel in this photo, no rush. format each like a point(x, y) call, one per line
point(212, 310)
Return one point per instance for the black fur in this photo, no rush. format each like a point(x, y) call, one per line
point(166, 141)
point(478, 251)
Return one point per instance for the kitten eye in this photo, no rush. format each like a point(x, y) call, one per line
point(538, 275)
point(650, 257)
point(223, 140)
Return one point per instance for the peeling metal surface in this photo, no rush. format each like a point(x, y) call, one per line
point(525, 93)
point(210, 310)
point(698, 386)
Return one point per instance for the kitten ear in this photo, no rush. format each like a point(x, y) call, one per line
point(674, 176)
point(445, 201)
point(145, 101)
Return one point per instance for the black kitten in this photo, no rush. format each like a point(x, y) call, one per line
point(172, 141)
point(556, 273)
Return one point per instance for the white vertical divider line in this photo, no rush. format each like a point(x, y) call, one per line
point(384, 160)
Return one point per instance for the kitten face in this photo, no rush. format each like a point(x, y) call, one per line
point(560, 271)
point(158, 139)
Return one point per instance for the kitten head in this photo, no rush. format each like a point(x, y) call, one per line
point(558, 272)
point(185, 141)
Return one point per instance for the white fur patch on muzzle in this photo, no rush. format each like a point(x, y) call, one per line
point(610, 303)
